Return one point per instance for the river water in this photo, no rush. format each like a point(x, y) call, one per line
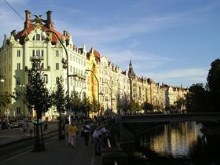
point(177, 143)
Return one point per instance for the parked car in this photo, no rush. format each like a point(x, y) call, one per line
point(16, 124)
point(5, 125)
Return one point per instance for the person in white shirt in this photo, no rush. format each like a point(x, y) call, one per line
point(86, 132)
point(25, 126)
point(97, 136)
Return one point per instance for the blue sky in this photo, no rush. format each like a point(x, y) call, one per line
point(170, 41)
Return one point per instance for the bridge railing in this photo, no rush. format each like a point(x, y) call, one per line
point(188, 116)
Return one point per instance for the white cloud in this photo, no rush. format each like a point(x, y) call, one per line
point(115, 32)
point(140, 60)
point(186, 76)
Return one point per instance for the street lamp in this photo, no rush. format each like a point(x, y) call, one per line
point(88, 70)
point(21, 94)
point(110, 90)
point(2, 78)
point(81, 93)
point(65, 65)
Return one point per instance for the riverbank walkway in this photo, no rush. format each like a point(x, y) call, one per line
point(58, 153)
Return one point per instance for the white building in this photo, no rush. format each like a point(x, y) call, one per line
point(105, 83)
point(39, 39)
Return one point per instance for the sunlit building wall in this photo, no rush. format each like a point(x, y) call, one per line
point(93, 77)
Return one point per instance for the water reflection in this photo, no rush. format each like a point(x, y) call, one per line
point(175, 141)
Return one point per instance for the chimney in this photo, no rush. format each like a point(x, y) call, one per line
point(28, 19)
point(49, 21)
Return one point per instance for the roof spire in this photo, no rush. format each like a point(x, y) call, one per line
point(131, 73)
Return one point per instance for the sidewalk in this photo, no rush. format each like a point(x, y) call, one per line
point(57, 153)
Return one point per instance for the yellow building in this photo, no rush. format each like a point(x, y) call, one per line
point(88, 73)
point(92, 79)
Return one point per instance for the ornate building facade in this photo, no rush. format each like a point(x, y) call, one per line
point(89, 74)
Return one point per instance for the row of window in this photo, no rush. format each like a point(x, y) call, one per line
point(57, 52)
point(45, 79)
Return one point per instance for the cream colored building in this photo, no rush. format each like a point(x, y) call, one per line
point(109, 84)
point(89, 73)
point(39, 39)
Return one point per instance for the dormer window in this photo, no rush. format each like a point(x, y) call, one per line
point(38, 37)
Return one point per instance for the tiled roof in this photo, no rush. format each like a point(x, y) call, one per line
point(25, 32)
point(97, 55)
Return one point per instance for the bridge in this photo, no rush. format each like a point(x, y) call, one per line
point(158, 118)
point(128, 126)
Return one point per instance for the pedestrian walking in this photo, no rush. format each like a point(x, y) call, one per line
point(31, 129)
point(46, 125)
point(66, 133)
point(25, 127)
point(86, 132)
point(97, 137)
point(72, 131)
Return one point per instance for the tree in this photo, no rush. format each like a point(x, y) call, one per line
point(95, 107)
point(37, 95)
point(213, 83)
point(4, 100)
point(147, 107)
point(85, 106)
point(75, 102)
point(124, 104)
point(196, 98)
point(134, 106)
point(59, 100)
point(180, 103)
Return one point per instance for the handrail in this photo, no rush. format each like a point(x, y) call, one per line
point(110, 146)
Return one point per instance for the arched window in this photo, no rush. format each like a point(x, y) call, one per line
point(38, 37)
point(45, 78)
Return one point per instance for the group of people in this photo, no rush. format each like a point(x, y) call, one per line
point(89, 130)
point(27, 127)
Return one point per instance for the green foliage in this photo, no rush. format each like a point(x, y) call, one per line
point(95, 106)
point(37, 94)
point(213, 83)
point(205, 99)
point(58, 97)
point(85, 106)
point(147, 107)
point(4, 100)
point(196, 98)
point(134, 107)
point(180, 103)
point(75, 102)
point(124, 104)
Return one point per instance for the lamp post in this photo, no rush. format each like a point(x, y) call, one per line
point(21, 94)
point(110, 90)
point(65, 65)
point(88, 70)
point(122, 99)
point(81, 92)
point(2, 78)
